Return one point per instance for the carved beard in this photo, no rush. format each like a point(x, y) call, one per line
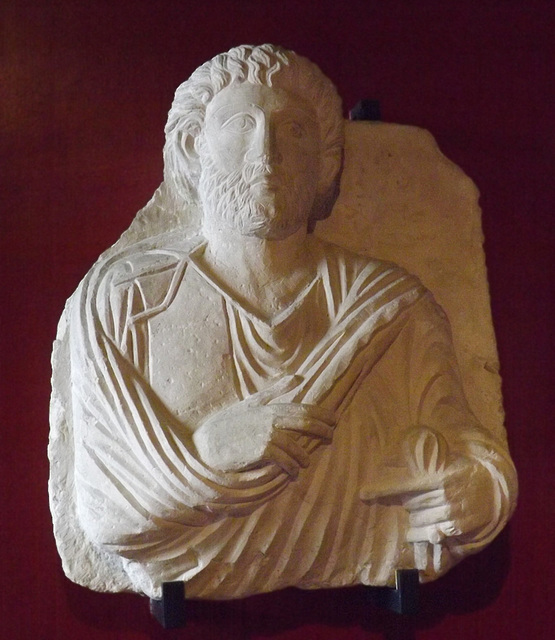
point(255, 200)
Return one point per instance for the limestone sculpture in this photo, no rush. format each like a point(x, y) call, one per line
point(244, 406)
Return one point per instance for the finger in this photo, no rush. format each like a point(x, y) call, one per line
point(433, 533)
point(466, 526)
point(290, 447)
point(282, 459)
point(451, 528)
point(433, 516)
point(425, 500)
point(302, 410)
point(437, 556)
point(314, 428)
point(421, 555)
point(429, 533)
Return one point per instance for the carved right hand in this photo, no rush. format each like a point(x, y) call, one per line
point(254, 432)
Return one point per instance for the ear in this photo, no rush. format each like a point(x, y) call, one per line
point(328, 188)
point(188, 149)
point(331, 165)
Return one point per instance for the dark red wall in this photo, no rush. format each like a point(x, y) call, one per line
point(84, 90)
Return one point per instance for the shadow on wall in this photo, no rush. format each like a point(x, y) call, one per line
point(471, 586)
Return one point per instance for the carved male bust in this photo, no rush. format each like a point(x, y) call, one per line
point(249, 407)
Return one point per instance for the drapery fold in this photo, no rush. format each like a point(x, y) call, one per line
point(144, 493)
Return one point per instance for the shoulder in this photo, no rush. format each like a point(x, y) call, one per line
point(341, 258)
point(353, 272)
point(142, 275)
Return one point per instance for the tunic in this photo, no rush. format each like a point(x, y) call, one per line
point(158, 346)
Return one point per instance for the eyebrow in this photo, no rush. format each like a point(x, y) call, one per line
point(252, 105)
point(226, 107)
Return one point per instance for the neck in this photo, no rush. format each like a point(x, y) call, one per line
point(266, 273)
point(229, 250)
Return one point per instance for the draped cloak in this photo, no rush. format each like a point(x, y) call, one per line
point(364, 339)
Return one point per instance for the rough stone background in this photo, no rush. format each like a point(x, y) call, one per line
point(402, 200)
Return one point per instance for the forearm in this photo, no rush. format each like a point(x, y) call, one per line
point(485, 497)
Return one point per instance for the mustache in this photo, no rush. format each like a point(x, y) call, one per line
point(255, 171)
point(233, 189)
point(255, 198)
point(240, 181)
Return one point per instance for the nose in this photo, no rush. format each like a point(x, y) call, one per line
point(265, 145)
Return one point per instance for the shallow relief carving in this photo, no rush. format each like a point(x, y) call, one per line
point(243, 399)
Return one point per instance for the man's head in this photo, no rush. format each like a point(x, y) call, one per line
point(222, 112)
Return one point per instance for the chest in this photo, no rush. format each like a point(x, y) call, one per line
point(190, 357)
point(207, 352)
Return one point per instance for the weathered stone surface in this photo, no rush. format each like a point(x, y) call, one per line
point(402, 200)
point(238, 403)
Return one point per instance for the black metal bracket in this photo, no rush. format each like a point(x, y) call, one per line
point(403, 598)
point(170, 610)
point(366, 110)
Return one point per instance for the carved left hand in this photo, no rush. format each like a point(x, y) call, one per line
point(448, 497)
point(457, 505)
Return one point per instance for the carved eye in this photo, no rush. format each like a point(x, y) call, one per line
point(241, 123)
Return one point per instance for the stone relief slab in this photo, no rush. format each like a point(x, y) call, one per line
point(249, 394)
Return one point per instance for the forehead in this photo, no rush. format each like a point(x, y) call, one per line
point(246, 96)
